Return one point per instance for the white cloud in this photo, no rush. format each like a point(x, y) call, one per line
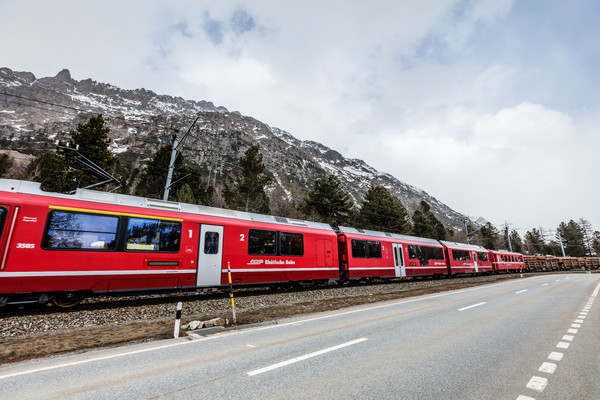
point(479, 102)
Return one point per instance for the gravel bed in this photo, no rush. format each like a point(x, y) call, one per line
point(195, 307)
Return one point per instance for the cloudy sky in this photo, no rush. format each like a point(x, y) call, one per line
point(492, 106)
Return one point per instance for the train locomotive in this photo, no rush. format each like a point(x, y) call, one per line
point(62, 248)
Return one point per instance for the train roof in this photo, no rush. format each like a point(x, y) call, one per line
point(457, 245)
point(33, 188)
point(345, 229)
point(506, 252)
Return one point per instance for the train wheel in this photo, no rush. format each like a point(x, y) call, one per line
point(68, 299)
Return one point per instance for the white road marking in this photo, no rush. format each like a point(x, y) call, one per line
point(537, 383)
point(521, 397)
point(521, 291)
point(474, 305)
point(575, 325)
point(563, 345)
point(596, 291)
point(568, 338)
point(555, 356)
point(572, 330)
point(544, 284)
point(581, 316)
point(547, 368)
point(304, 357)
point(579, 321)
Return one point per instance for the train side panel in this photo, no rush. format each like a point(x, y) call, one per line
point(265, 253)
point(467, 258)
point(371, 254)
point(507, 261)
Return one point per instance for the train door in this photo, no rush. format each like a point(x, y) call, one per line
point(399, 260)
point(475, 261)
point(210, 256)
point(324, 253)
point(5, 231)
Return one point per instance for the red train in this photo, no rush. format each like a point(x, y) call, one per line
point(61, 248)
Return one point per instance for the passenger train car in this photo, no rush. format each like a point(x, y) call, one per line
point(63, 247)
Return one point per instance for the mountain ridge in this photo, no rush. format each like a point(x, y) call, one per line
point(43, 110)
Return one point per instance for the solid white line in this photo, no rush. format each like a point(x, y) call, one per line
point(521, 291)
point(304, 357)
point(474, 305)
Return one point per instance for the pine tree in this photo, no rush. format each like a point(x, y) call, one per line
point(5, 164)
point(534, 243)
point(573, 239)
point(92, 139)
point(489, 236)
point(57, 173)
point(425, 223)
point(249, 194)
point(516, 242)
point(327, 202)
point(381, 211)
point(185, 195)
point(154, 176)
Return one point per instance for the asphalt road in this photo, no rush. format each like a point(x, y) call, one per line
point(532, 338)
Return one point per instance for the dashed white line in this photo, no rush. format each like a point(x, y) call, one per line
point(547, 368)
point(521, 291)
point(563, 345)
point(579, 321)
point(521, 397)
point(474, 305)
point(572, 330)
point(545, 284)
point(537, 383)
point(568, 338)
point(575, 325)
point(304, 357)
point(555, 356)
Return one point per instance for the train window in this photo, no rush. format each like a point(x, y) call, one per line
point(262, 242)
point(147, 234)
point(435, 253)
point(374, 249)
point(413, 252)
point(211, 243)
point(79, 231)
point(291, 244)
point(482, 256)
point(3, 212)
point(461, 255)
point(359, 248)
point(425, 253)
